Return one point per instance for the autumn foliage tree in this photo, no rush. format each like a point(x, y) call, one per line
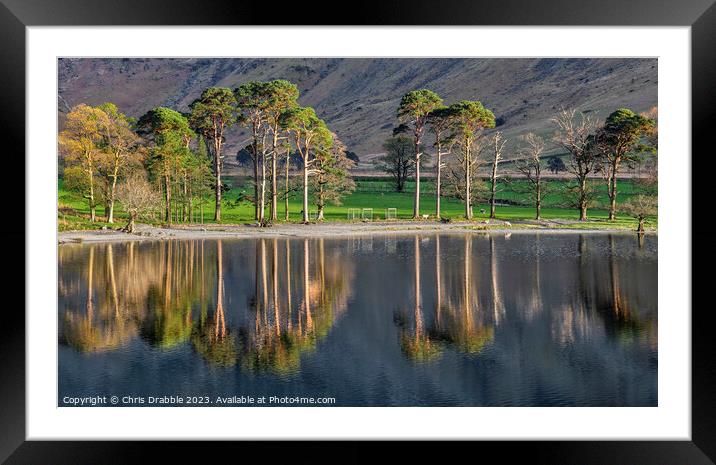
point(80, 143)
point(121, 150)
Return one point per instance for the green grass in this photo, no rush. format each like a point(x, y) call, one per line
point(378, 194)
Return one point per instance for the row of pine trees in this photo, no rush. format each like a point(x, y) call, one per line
point(182, 154)
point(462, 132)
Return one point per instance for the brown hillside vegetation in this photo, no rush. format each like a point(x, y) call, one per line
point(358, 97)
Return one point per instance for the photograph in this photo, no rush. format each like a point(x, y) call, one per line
point(357, 231)
point(435, 229)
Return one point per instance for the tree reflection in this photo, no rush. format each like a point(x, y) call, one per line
point(100, 327)
point(606, 297)
point(149, 292)
point(169, 321)
point(172, 293)
point(459, 320)
point(211, 338)
point(175, 295)
point(618, 308)
point(498, 307)
point(465, 325)
point(533, 304)
point(281, 331)
point(417, 344)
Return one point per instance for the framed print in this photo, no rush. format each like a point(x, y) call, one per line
point(428, 225)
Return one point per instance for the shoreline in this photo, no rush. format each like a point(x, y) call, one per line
point(327, 230)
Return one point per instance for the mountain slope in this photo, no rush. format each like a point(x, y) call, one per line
point(358, 97)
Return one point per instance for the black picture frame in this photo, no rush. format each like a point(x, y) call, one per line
point(16, 15)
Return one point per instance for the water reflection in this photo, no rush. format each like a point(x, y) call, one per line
point(589, 295)
point(174, 292)
point(97, 328)
point(294, 309)
point(210, 338)
point(535, 318)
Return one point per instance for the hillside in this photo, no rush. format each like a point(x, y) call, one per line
point(358, 97)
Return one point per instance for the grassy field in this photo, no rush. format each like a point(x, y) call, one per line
point(379, 195)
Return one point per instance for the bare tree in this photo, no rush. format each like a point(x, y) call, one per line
point(439, 121)
point(641, 207)
point(530, 166)
point(497, 144)
point(139, 198)
point(575, 135)
point(461, 173)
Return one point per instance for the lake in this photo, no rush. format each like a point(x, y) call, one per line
point(475, 319)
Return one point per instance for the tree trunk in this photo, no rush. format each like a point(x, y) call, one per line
point(262, 190)
point(613, 190)
point(640, 228)
point(416, 203)
point(305, 188)
point(468, 187)
point(320, 201)
point(112, 190)
point(93, 207)
point(437, 182)
point(256, 183)
point(493, 188)
point(130, 225)
point(167, 198)
point(538, 195)
point(217, 168)
point(583, 199)
point(274, 185)
point(191, 205)
point(285, 200)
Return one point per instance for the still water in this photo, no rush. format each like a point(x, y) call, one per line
point(431, 320)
